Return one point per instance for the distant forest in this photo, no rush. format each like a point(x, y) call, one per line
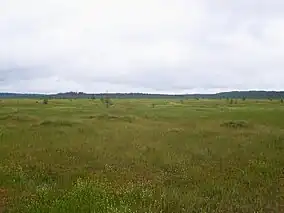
point(223, 95)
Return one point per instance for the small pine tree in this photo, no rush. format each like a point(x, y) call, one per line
point(282, 101)
point(244, 98)
point(106, 101)
point(102, 100)
point(231, 101)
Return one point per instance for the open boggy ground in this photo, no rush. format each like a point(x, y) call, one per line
point(141, 156)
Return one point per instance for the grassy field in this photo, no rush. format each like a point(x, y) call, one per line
point(77, 156)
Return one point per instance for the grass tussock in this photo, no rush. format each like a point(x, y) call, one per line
point(110, 117)
point(235, 124)
point(57, 123)
point(176, 130)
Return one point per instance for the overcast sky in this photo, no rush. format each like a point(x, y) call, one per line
point(157, 46)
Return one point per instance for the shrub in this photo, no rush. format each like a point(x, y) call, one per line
point(45, 101)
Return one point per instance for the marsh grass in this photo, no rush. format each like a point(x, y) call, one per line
point(110, 117)
point(17, 117)
point(56, 123)
point(199, 156)
point(235, 124)
point(92, 196)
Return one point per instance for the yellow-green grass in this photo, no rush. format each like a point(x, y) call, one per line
point(141, 156)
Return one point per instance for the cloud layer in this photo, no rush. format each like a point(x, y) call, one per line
point(164, 46)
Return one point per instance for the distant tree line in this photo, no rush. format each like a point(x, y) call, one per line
point(224, 95)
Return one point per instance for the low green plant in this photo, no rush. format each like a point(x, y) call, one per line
point(106, 101)
point(91, 196)
point(235, 124)
point(45, 101)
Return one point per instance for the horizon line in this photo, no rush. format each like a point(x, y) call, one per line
point(142, 93)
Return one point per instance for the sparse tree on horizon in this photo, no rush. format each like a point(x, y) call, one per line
point(106, 101)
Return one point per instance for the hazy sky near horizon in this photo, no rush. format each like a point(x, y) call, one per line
point(159, 46)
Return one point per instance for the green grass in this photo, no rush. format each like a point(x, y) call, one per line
point(141, 156)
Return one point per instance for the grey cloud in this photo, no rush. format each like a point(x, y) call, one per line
point(166, 46)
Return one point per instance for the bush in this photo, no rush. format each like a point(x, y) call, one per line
point(45, 101)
